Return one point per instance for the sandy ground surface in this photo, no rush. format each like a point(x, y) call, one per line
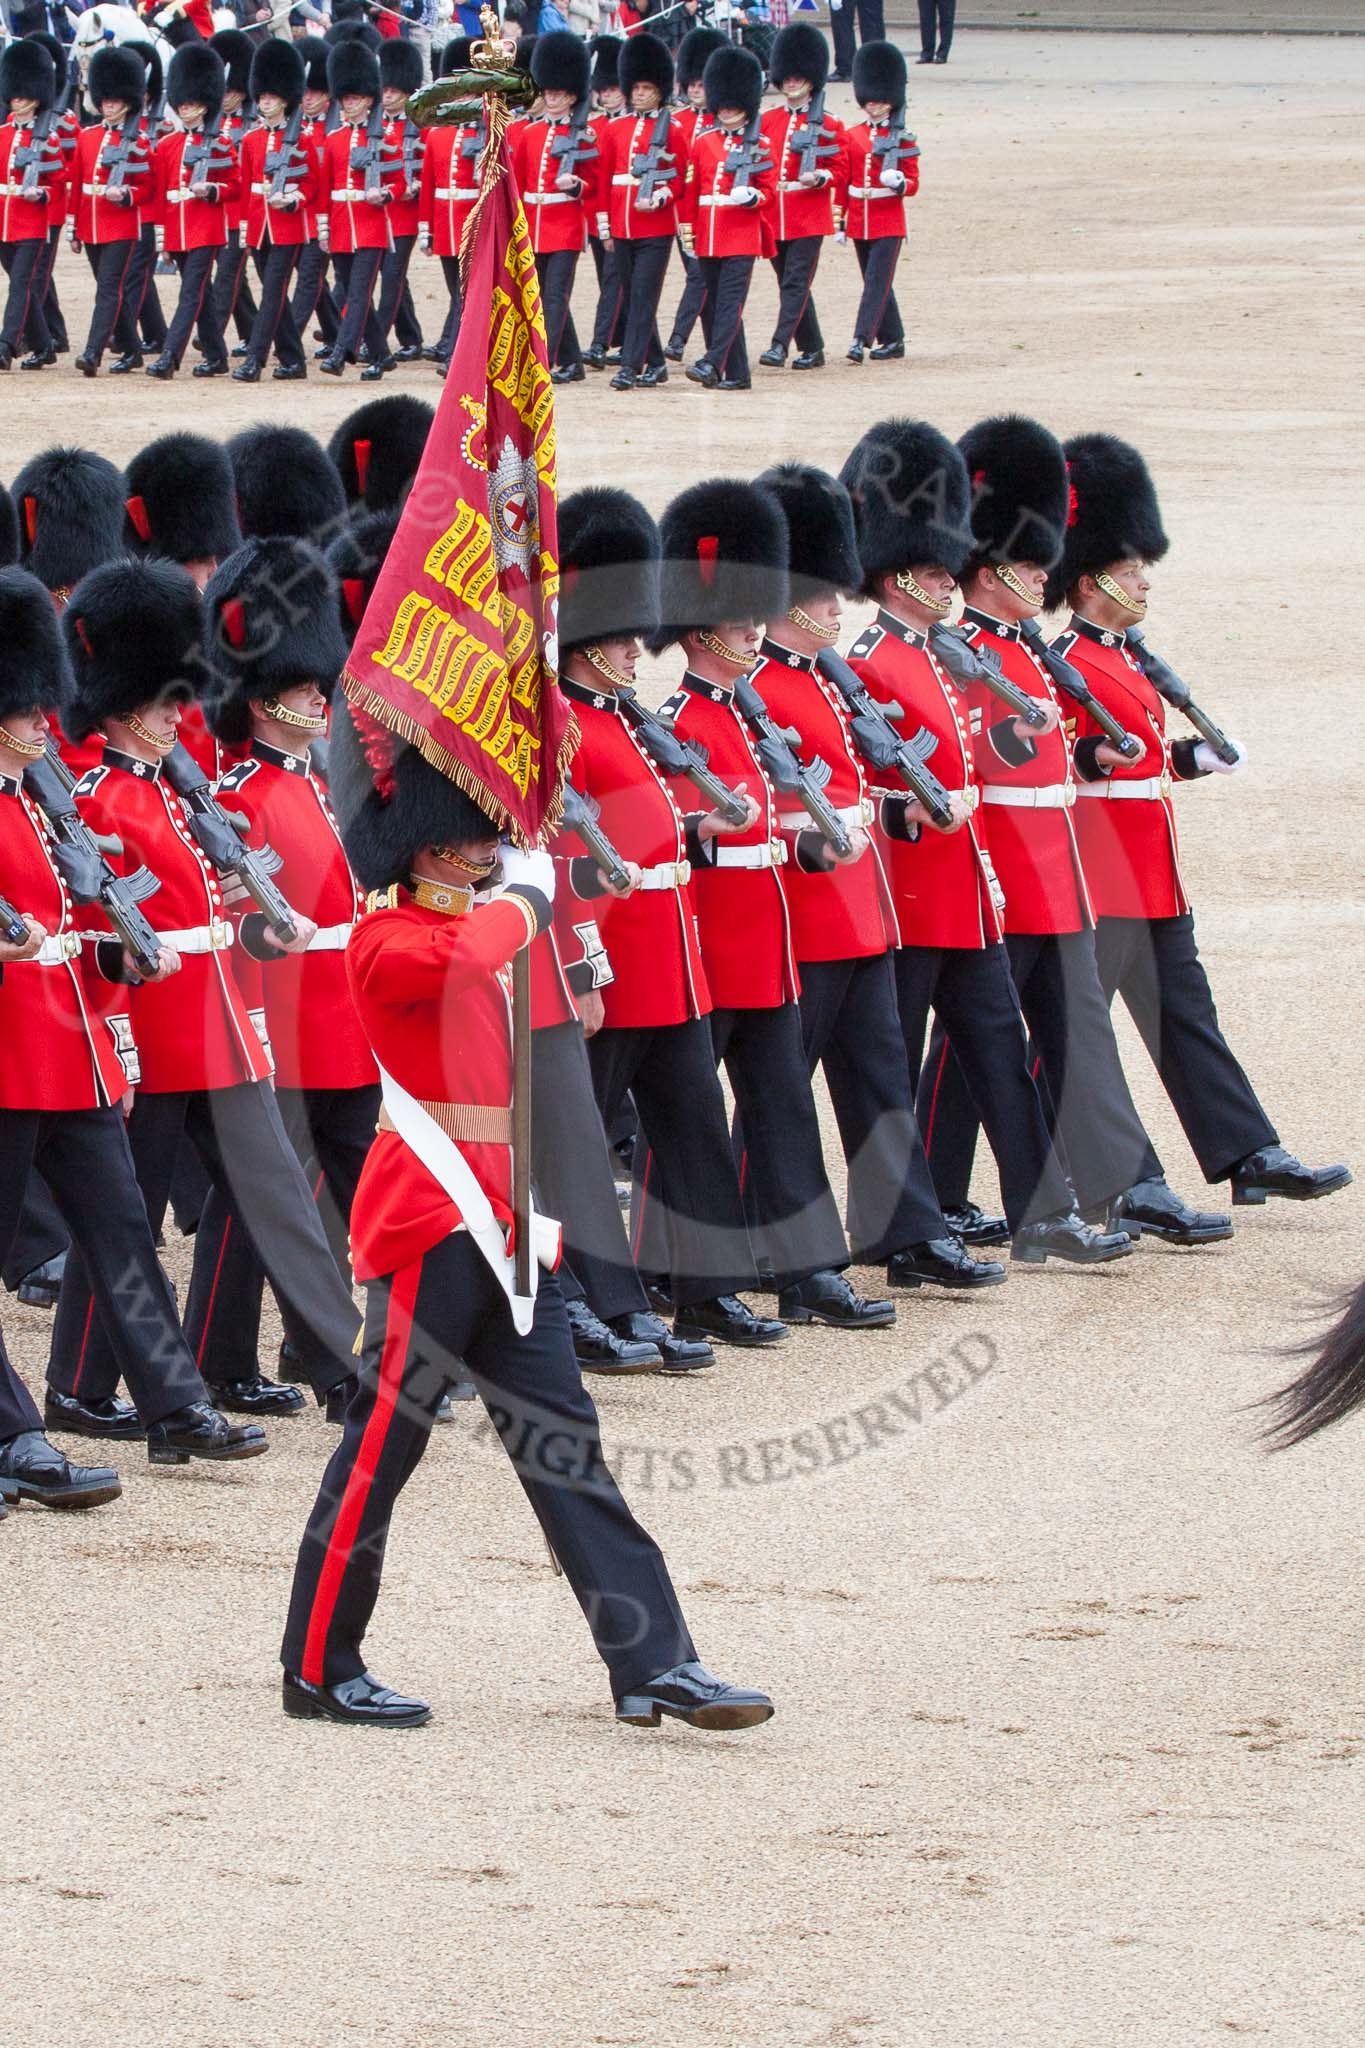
point(1069, 1677)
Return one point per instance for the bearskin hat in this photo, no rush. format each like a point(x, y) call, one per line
point(733, 77)
point(33, 664)
point(560, 63)
point(606, 62)
point(353, 30)
point(400, 65)
point(383, 830)
point(356, 558)
point(609, 567)
point(151, 64)
point(70, 505)
point(799, 51)
point(879, 74)
point(822, 548)
point(285, 484)
point(1019, 491)
point(280, 69)
point(236, 49)
point(179, 33)
point(724, 549)
point(27, 72)
point(116, 73)
point(455, 56)
point(197, 78)
point(133, 632)
point(1113, 511)
point(270, 621)
point(314, 52)
point(646, 61)
point(693, 51)
point(352, 68)
point(56, 51)
point(378, 447)
point(911, 497)
point(9, 530)
point(181, 503)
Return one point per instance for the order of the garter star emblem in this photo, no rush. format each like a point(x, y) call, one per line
point(513, 501)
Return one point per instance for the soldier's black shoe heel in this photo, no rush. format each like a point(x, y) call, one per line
point(362, 1701)
point(691, 1693)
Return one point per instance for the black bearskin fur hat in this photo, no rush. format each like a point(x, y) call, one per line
point(646, 61)
point(693, 51)
point(27, 72)
point(133, 632)
point(400, 65)
point(197, 78)
point(733, 77)
point(606, 62)
point(270, 621)
point(560, 63)
point(314, 53)
point(377, 448)
point(822, 549)
point(879, 74)
point(55, 50)
point(9, 530)
point(285, 484)
point(911, 499)
point(352, 68)
point(799, 51)
point(34, 669)
point(353, 30)
point(151, 65)
point(420, 807)
point(116, 73)
point(70, 506)
point(455, 56)
point(724, 549)
point(1113, 511)
point(236, 49)
point(279, 68)
point(609, 567)
point(1019, 491)
point(178, 33)
point(356, 558)
point(180, 500)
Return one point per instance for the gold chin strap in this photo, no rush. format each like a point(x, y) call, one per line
point(477, 870)
point(29, 750)
point(1005, 571)
point(452, 902)
point(300, 720)
point(1120, 596)
point(147, 736)
point(722, 650)
point(906, 582)
point(829, 634)
point(604, 668)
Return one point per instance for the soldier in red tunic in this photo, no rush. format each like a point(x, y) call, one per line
point(610, 112)
point(64, 1002)
point(400, 73)
point(1028, 781)
point(450, 161)
point(67, 129)
point(882, 172)
point(362, 178)
point(312, 293)
point(429, 968)
point(141, 322)
point(726, 209)
point(280, 187)
point(912, 498)
point(692, 118)
point(558, 169)
point(1144, 927)
point(233, 299)
point(810, 152)
point(112, 175)
point(645, 143)
point(199, 178)
point(29, 192)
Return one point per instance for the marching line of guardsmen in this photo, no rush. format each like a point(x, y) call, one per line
point(283, 159)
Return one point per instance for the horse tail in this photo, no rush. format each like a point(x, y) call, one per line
point(1332, 1383)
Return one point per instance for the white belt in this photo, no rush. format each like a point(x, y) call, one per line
point(873, 192)
point(18, 192)
point(204, 938)
point(1134, 787)
point(795, 185)
point(330, 938)
point(1054, 796)
point(667, 874)
point(55, 951)
point(353, 193)
point(852, 815)
point(550, 198)
point(771, 855)
point(457, 192)
point(722, 198)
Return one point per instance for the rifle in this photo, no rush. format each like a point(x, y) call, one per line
point(649, 165)
point(776, 750)
point(748, 160)
point(579, 146)
point(13, 930)
point(881, 745)
point(43, 152)
point(83, 867)
point(411, 174)
point(116, 156)
point(581, 814)
point(223, 843)
point(199, 166)
point(368, 156)
point(1168, 684)
point(1072, 683)
point(897, 142)
point(968, 664)
point(813, 145)
point(287, 157)
point(680, 757)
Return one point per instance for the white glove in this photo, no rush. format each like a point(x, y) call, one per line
point(1207, 759)
point(527, 871)
point(424, 241)
point(745, 195)
point(324, 234)
point(894, 181)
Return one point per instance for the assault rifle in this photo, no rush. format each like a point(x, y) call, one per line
point(1168, 684)
point(82, 866)
point(813, 144)
point(776, 750)
point(222, 842)
point(1072, 683)
point(881, 746)
point(748, 160)
point(673, 756)
point(581, 814)
point(368, 156)
point(42, 152)
point(897, 143)
point(287, 163)
point(206, 158)
point(968, 664)
point(116, 156)
point(654, 165)
point(579, 145)
point(13, 930)
point(411, 174)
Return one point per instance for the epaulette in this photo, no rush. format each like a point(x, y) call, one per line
point(91, 780)
point(239, 773)
point(867, 642)
point(382, 899)
point(1064, 642)
point(968, 630)
point(671, 706)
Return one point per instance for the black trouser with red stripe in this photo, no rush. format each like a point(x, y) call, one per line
point(331, 1131)
point(641, 266)
point(691, 302)
point(274, 325)
point(195, 308)
point(313, 294)
point(420, 1325)
point(40, 1235)
point(232, 295)
point(879, 317)
point(141, 319)
point(23, 264)
point(396, 311)
point(609, 320)
point(109, 263)
point(238, 1135)
point(555, 269)
point(84, 1158)
point(726, 280)
point(357, 271)
point(47, 291)
point(450, 271)
point(1080, 1078)
point(572, 1169)
point(794, 267)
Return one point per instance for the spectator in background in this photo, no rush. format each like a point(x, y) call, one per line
point(935, 20)
point(871, 28)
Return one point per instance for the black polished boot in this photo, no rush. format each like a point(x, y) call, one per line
point(691, 1693)
point(942, 1262)
point(600, 1348)
point(727, 1320)
point(1067, 1237)
point(256, 1396)
point(1162, 1214)
point(199, 1431)
point(108, 1419)
point(33, 1469)
point(679, 1354)
point(1273, 1171)
point(828, 1297)
point(976, 1226)
point(40, 1288)
point(362, 1701)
